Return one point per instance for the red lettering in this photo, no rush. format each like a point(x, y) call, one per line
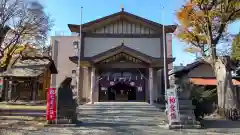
point(172, 100)
point(173, 116)
point(51, 104)
point(172, 108)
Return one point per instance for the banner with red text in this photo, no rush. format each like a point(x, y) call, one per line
point(51, 104)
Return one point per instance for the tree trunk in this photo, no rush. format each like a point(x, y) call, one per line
point(7, 62)
point(226, 94)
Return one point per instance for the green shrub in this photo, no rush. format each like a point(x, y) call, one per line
point(203, 99)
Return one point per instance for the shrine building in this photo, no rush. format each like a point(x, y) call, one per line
point(121, 58)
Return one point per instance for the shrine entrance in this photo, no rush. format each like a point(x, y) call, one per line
point(121, 92)
point(122, 85)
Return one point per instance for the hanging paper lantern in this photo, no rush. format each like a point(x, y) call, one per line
point(111, 83)
point(141, 76)
point(140, 89)
point(121, 92)
point(130, 78)
point(132, 83)
point(103, 88)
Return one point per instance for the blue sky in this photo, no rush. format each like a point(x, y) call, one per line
point(65, 12)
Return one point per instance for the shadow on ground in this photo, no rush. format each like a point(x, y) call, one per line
point(114, 118)
point(217, 123)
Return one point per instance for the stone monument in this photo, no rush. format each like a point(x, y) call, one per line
point(67, 105)
point(183, 107)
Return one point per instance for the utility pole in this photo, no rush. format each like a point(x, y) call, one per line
point(164, 54)
point(79, 59)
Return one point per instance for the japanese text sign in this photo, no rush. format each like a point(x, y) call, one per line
point(173, 109)
point(51, 104)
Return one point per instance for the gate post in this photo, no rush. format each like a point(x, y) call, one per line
point(151, 85)
point(92, 84)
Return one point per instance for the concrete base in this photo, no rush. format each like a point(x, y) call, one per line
point(184, 126)
point(63, 122)
point(167, 126)
point(197, 125)
point(60, 125)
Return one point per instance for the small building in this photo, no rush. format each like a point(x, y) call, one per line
point(201, 73)
point(27, 79)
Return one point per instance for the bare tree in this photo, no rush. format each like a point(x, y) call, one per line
point(21, 22)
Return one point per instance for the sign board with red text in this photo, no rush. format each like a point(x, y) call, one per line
point(51, 104)
point(173, 106)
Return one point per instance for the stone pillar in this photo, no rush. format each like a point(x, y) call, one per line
point(34, 90)
point(155, 85)
point(6, 87)
point(160, 86)
point(150, 84)
point(86, 90)
point(93, 81)
point(10, 86)
point(97, 77)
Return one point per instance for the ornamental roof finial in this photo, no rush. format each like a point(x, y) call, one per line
point(122, 7)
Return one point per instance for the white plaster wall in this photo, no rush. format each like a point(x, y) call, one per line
point(65, 50)
point(149, 46)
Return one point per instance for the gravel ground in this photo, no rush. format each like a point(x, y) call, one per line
point(118, 119)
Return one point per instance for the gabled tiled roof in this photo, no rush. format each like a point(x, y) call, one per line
point(189, 67)
point(117, 16)
point(30, 68)
point(122, 49)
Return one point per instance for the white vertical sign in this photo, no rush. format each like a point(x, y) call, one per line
point(173, 106)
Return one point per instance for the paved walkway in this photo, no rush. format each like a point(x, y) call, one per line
point(119, 118)
point(122, 118)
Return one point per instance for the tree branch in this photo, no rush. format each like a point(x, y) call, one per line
point(223, 26)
